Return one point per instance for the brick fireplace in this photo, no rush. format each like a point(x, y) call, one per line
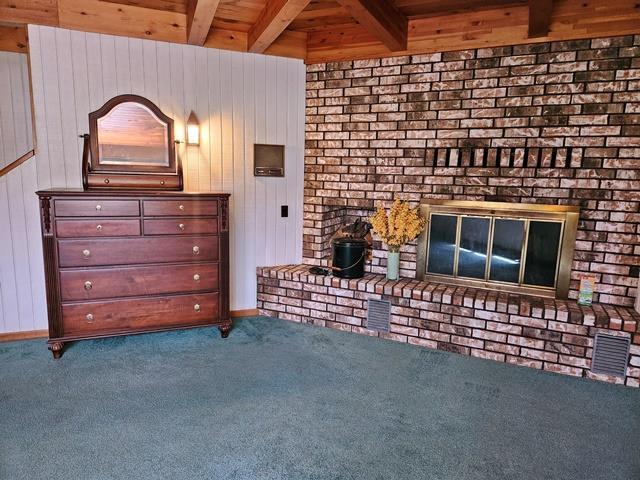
point(548, 123)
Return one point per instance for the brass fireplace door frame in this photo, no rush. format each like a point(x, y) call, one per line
point(567, 215)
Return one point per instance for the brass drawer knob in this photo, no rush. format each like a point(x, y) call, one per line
point(98, 207)
point(99, 228)
point(89, 317)
point(196, 277)
point(196, 250)
point(86, 253)
point(181, 226)
point(196, 307)
point(181, 207)
point(88, 285)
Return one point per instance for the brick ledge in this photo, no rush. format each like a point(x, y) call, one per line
point(611, 317)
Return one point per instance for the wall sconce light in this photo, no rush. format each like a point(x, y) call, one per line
point(193, 130)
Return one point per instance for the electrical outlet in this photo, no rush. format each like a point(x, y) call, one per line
point(284, 210)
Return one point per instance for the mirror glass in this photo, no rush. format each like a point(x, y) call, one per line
point(131, 134)
point(16, 121)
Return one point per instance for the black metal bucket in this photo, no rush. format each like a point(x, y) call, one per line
point(348, 257)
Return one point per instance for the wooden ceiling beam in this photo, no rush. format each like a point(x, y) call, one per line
point(13, 38)
point(273, 20)
point(539, 17)
point(40, 12)
point(200, 15)
point(383, 19)
point(572, 19)
point(125, 20)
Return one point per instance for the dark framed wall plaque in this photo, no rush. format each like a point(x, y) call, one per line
point(268, 160)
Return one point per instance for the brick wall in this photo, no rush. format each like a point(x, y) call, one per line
point(371, 124)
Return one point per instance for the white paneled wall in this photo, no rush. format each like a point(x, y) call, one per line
point(18, 236)
point(240, 99)
point(15, 107)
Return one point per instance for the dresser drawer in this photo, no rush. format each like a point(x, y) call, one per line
point(97, 208)
point(163, 208)
point(127, 251)
point(139, 314)
point(96, 283)
point(97, 228)
point(180, 226)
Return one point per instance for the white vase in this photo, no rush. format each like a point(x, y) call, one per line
point(393, 264)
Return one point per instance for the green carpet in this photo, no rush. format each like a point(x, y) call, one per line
point(278, 400)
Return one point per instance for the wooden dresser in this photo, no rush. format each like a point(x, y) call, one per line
point(122, 262)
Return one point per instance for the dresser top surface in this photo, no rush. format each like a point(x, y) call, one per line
point(76, 192)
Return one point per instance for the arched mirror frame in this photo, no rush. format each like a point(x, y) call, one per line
point(17, 34)
point(107, 176)
point(104, 111)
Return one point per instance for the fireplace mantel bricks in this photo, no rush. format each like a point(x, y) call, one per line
point(541, 333)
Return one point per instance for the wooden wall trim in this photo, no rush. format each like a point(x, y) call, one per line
point(27, 335)
point(250, 312)
point(17, 163)
point(31, 334)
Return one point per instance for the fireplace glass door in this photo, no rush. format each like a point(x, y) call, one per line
point(496, 248)
point(518, 251)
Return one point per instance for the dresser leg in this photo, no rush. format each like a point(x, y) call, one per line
point(56, 349)
point(225, 329)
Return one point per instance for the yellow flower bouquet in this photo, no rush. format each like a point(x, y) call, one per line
point(396, 228)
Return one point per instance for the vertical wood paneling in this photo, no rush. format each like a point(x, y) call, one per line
point(271, 136)
point(240, 99)
point(81, 91)
point(15, 108)
point(16, 300)
point(246, 166)
point(215, 120)
point(260, 89)
point(67, 107)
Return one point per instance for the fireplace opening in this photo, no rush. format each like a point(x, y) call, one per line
point(524, 248)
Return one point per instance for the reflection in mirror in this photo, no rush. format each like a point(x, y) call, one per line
point(16, 127)
point(131, 134)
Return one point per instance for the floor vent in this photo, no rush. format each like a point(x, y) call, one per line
point(610, 355)
point(378, 315)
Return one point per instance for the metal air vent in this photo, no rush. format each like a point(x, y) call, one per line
point(610, 355)
point(378, 315)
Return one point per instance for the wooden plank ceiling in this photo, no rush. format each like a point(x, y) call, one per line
point(329, 30)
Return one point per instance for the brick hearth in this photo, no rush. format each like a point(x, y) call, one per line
point(542, 333)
